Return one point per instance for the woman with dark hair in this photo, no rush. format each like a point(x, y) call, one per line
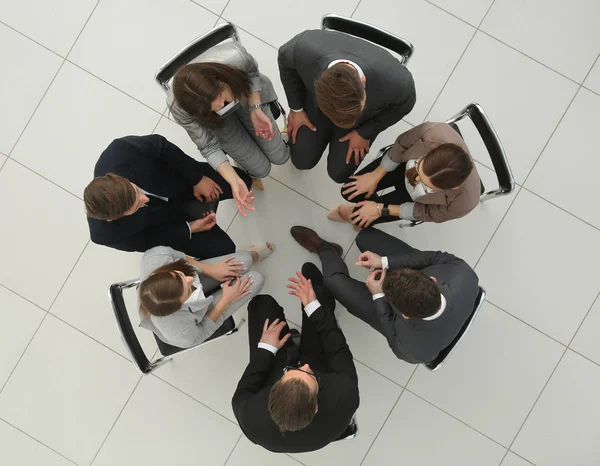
point(434, 177)
point(181, 299)
point(221, 100)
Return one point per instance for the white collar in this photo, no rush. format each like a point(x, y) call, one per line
point(358, 68)
point(197, 294)
point(440, 312)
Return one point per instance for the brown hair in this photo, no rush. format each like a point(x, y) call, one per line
point(108, 197)
point(447, 166)
point(412, 293)
point(196, 85)
point(292, 405)
point(160, 293)
point(340, 93)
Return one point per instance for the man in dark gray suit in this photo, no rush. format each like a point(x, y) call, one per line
point(418, 300)
point(342, 91)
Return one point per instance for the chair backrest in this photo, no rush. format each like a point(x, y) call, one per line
point(192, 50)
point(371, 33)
point(446, 352)
point(506, 181)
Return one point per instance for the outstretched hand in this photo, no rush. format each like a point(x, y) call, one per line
point(242, 196)
point(302, 288)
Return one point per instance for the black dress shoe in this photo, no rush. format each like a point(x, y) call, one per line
point(312, 273)
point(309, 239)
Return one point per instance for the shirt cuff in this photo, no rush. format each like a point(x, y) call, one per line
point(268, 347)
point(216, 158)
point(189, 228)
point(384, 263)
point(312, 307)
point(407, 211)
point(255, 84)
point(376, 296)
point(299, 110)
point(388, 164)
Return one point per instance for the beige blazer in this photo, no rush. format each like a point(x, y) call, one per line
point(439, 206)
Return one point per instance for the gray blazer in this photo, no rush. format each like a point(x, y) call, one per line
point(233, 54)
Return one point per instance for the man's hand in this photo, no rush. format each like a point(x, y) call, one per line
point(224, 270)
point(358, 145)
point(365, 214)
point(208, 220)
point(362, 184)
point(369, 260)
point(295, 121)
point(263, 128)
point(302, 288)
point(375, 281)
point(207, 190)
point(271, 333)
point(243, 198)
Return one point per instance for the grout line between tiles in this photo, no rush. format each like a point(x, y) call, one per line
point(516, 454)
point(232, 450)
point(36, 440)
point(81, 31)
point(193, 2)
point(47, 179)
point(32, 40)
point(355, 8)
point(486, 13)
point(298, 192)
point(583, 320)
point(117, 419)
point(224, 8)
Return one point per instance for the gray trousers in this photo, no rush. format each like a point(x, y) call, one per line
point(253, 154)
point(351, 293)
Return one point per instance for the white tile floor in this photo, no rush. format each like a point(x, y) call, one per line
point(521, 389)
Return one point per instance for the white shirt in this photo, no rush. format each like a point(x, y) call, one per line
point(198, 292)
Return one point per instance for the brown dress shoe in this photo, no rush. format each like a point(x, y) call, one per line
point(309, 239)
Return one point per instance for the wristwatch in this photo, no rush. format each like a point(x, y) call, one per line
point(385, 212)
point(254, 107)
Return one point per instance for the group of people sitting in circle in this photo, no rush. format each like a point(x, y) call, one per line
point(147, 195)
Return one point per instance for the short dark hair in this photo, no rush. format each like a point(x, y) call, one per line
point(109, 197)
point(447, 166)
point(412, 293)
point(160, 293)
point(340, 93)
point(196, 85)
point(292, 404)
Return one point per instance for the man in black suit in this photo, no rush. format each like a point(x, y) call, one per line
point(147, 192)
point(342, 91)
point(418, 300)
point(300, 407)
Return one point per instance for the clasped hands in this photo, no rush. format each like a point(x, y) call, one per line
point(207, 190)
point(369, 260)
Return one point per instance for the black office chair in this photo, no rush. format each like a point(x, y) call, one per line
point(131, 342)
point(446, 352)
point(197, 47)
point(373, 34)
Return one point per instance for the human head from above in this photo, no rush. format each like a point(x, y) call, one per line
point(445, 167)
point(412, 293)
point(111, 197)
point(167, 288)
point(293, 400)
point(341, 94)
point(202, 89)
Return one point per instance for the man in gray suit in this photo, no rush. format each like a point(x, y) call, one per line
point(342, 91)
point(418, 300)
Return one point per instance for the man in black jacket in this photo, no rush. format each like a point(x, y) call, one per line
point(296, 408)
point(418, 300)
point(147, 192)
point(342, 91)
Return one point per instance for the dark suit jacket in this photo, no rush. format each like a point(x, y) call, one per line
point(338, 394)
point(390, 87)
point(159, 167)
point(416, 340)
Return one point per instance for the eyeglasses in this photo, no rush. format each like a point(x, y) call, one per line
point(293, 368)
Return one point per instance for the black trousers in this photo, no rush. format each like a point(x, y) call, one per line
point(351, 293)
point(310, 145)
point(392, 179)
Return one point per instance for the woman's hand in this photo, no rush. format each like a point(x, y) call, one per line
point(235, 290)
point(224, 270)
point(366, 214)
point(243, 198)
point(302, 288)
point(263, 127)
point(362, 184)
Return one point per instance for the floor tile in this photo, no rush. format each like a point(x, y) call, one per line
point(40, 216)
point(439, 41)
point(513, 90)
point(471, 11)
point(586, 341)
point(29, 68)
point(96, 319)
point(521, 25)
point(572, 137)
point(66, 381)
point(278, 209)
point(279, 21)
point(593, 80)
point(489, 382)
point(144, 34)
point(22, 450)
point(525, 268)
point(514, 460)
point(247, 453)
point(54, 23)
point(425, 436)
point(377, 397)
point(189, 433)
point(23, 318)
point(76, 135)
point(216, 6)
point(562, 429)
